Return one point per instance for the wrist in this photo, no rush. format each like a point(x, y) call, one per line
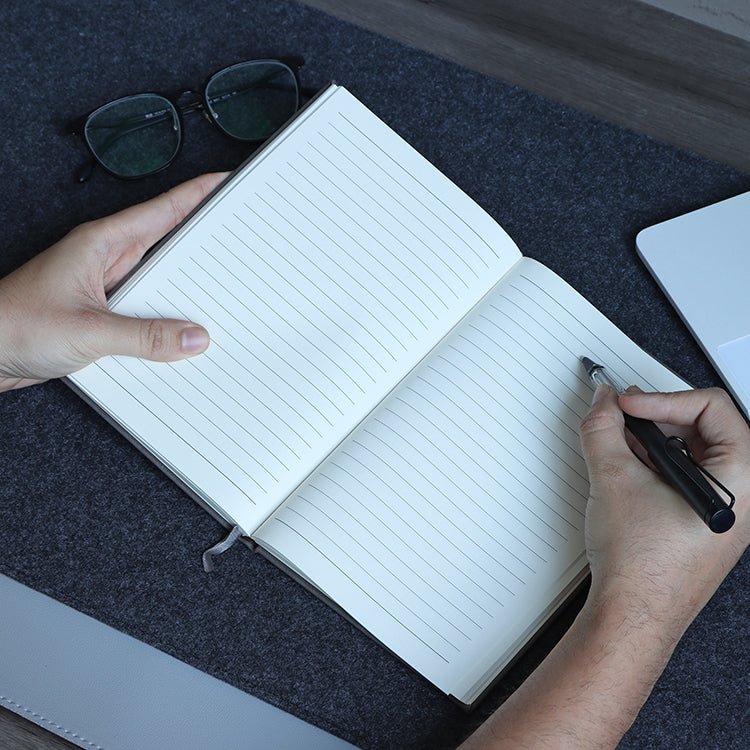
point(8, 381)
point(657, 605)
point(633, 626)
point(588, 691)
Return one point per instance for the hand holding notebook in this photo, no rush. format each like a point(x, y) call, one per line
point(54, 317)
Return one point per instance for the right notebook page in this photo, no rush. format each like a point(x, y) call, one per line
point(450, 522)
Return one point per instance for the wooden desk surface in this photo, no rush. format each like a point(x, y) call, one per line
point(626, 62)
point(629, 63)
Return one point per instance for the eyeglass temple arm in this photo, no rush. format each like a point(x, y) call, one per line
point(75, 127)
point(85, 170)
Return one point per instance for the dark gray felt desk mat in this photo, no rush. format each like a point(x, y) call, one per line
point(88, 520)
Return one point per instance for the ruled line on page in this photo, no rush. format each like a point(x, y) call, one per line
point(525, 335)
point(385, 237)
point(361, 554)
point(175, 434)
point(377, 487)
point(522, 434)
point(367, 594)
point(479, 530)
point(446, 462)
point(343, 331)
point(271, 352)
point(352, 300)
point(202, 378)
point(385, 290)
point(356, 323)
point(401, 272)
point(284, 341)
point(396, 280)
point(396, 167)
point(195, 424)
point(390, 584)
point(376, 544)
point(369, 312)
point(503, 470)
point(456, 550)
point(467, 490)
point(379, 541)
point(348, 334)
point(524, 403)
point(622, 365)
point(239, 346)
point(303, 296)
point(491, 556)
point(204, 386)
point(470, 501)
point(283, 322)
point(378, 196)
point(375, 197)
point(230, 438)
point(202, 372)
point(553, 368)
point(380, 487)
point(431, 228)
point(499, 466)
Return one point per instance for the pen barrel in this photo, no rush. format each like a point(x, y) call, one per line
point(679, 470)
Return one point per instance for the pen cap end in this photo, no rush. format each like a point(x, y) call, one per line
point(721, 521)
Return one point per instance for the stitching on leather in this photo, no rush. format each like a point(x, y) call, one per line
point(39, 718)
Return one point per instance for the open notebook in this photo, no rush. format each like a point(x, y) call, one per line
point(390, 403)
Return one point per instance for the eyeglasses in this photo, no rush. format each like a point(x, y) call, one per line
point(137, 135)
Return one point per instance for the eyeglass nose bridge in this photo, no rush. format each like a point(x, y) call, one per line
point(189, 100)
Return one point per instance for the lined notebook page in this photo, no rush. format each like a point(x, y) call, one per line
point(452, 518)
point(323, 272)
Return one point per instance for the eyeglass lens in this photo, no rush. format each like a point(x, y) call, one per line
point(251, 100)
point(134, 136)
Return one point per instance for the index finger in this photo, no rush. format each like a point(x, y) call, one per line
point(145, 223)
point(711, 411)
point(602, 433)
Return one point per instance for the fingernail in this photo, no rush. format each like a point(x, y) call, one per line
point(600, 392)
point(633, 389)
point(194, 340)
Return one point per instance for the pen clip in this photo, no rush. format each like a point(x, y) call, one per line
point(686, 450)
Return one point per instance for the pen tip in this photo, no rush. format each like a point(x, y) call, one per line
point(589, 365)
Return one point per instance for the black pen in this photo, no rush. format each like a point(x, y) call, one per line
point(673, 460)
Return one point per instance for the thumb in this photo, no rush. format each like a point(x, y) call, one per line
point(160, 340)
point(603, 437)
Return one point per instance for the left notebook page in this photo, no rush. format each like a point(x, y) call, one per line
point(322, 272)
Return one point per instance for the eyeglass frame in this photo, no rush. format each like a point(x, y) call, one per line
point(198, 104)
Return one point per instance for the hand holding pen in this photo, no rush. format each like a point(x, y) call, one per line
point(672, 458)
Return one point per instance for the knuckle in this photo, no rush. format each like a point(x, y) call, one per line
point(152, 338)
point(176, 207)
point(94, 236)
point(89, 232)
point(611, 471)
point(720, 396)
point(598, 421)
